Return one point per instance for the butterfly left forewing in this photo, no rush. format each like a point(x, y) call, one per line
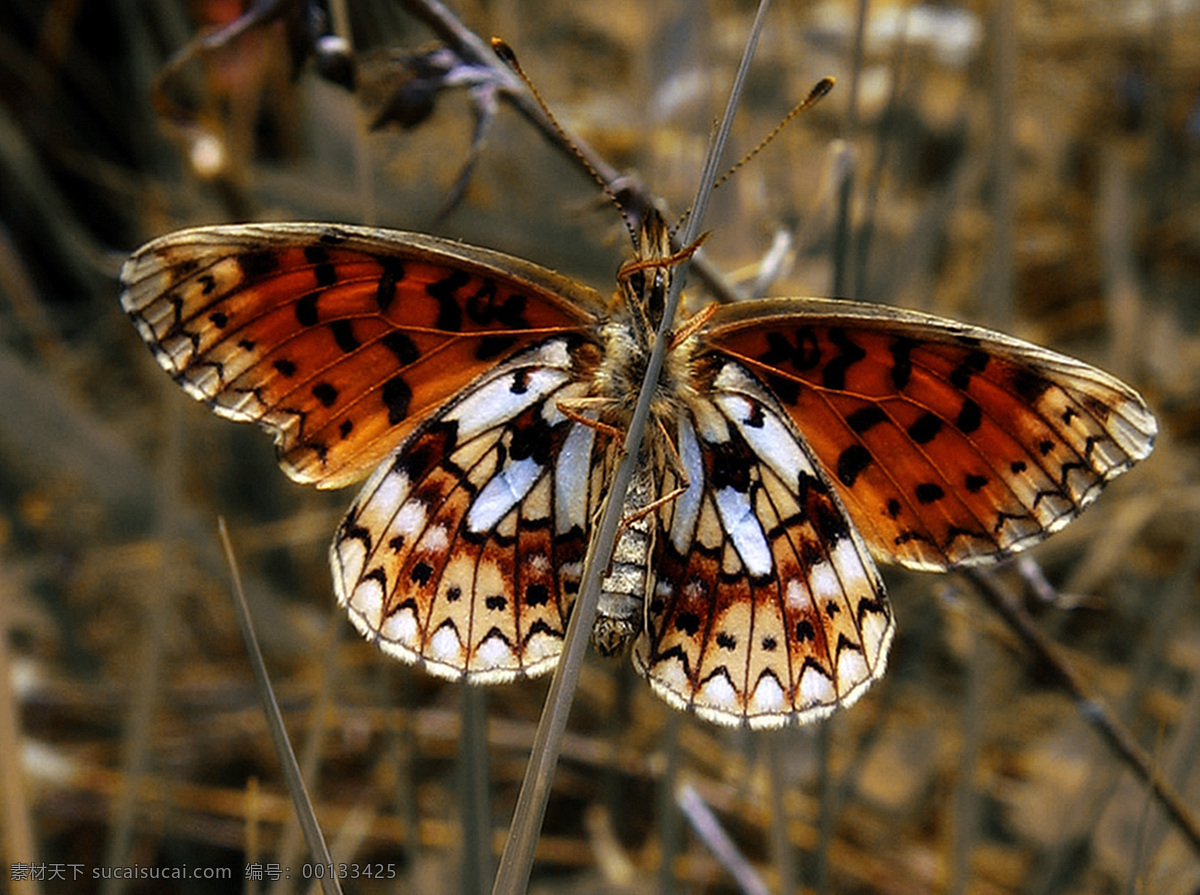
point(337, 339)
point(949, 444)
point(767, 607)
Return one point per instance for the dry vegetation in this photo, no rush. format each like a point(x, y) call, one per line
point(130, 730)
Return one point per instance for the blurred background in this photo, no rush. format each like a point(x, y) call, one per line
point(1031, 166)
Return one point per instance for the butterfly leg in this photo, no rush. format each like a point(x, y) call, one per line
point(574, 409)
point(676, 465)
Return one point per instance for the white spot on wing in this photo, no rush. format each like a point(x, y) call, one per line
point(851, 669)
point(687, 505)
point(493, 402)
point(717, 693)
point(571, 472)
point(436, 539)
point(401, 627)
point(350, 555)
point(744, 530)
point(815, 688)
point(445, 646)
point(768, 697)
point(495, 652)
point(391, 491)
point(877, 636)
point(797, 596)
point(366, 600)
point(541, 652)
point(410, 520)
point(824, 582)
point(502, 493)
point(847, 560)
point(771, 440)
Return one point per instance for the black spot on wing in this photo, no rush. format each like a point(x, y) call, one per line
point(972, 364)
point(849, 354)
point(537, 595)
point(392, 276)
point(306, 309)
point(343, 335)
point(258, 264)
point(970, 417)
point(929, 492)
point(851, 463)
point(925, 429)
point(403, 347)
point(865, 418)
point(445, 293)
point(491, 347)
point(1030, 386)
point(323, 271)
point(325, 393)
point(901, 351)
point(688, 623)
point(804, 355)
point(397, 396)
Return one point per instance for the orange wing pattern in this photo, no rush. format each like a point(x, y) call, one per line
point(337, 339)
point(949, 444)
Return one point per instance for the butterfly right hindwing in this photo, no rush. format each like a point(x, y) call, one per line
point(767, 607)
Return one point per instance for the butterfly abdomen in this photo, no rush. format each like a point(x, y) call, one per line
point(619, 617)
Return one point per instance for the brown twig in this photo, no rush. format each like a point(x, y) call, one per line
point(1091, 706)
point(475, 51)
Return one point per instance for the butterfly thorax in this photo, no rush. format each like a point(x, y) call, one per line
point(628, 337)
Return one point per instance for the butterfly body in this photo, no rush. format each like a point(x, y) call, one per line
point(788, 441)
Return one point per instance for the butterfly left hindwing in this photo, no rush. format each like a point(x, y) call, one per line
point(462, 552)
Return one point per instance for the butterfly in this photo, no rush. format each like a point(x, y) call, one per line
point(791, 443)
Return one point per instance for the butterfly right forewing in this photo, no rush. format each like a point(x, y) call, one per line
point(949, 444)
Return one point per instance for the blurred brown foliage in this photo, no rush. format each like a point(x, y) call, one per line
point(1059, 202)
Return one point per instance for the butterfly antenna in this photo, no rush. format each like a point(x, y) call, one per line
point(509, 58)
point(815, 95)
